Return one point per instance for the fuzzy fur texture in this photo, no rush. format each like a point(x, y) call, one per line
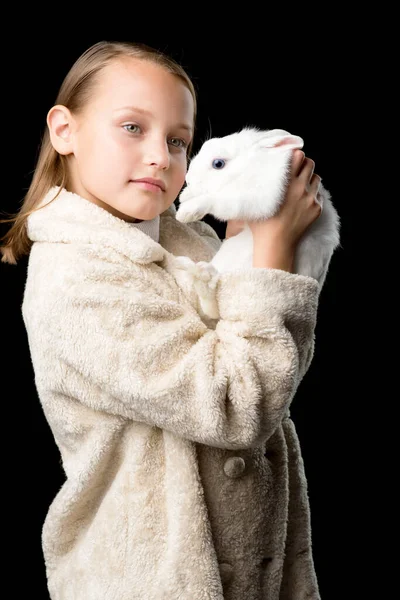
point(243, 176)
point(184, 476)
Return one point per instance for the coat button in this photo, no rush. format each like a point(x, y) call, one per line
point(266, 561)
point(234, 466)
point(226, 571)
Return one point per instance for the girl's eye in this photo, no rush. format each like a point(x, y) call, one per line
point(178, 142)
point(130, 128)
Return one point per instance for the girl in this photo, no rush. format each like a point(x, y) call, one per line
point(184, 477)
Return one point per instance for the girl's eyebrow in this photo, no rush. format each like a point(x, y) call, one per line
point(148, 113)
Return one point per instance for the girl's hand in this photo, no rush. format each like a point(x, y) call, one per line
point(299, 209)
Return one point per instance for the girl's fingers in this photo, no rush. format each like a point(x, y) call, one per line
point(306, 170)
point(314, 185)
point(297, 160)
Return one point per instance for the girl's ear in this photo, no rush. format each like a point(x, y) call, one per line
point(284, 140)
point(59, 122)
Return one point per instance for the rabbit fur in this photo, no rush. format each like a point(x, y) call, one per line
point(243, 176)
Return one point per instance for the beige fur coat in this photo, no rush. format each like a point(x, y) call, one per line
point(184, 476)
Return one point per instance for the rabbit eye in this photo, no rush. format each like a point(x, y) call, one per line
point(218, 163)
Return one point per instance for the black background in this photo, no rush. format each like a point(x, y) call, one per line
point(310, 90)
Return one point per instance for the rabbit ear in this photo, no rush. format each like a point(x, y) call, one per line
point(284, 140)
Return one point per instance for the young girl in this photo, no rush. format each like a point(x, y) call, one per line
point(184, 476)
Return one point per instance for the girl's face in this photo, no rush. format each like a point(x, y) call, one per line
point(137, 125)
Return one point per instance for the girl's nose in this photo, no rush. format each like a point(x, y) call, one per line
point(156, 153)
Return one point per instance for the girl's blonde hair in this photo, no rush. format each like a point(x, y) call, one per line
point(74, 93)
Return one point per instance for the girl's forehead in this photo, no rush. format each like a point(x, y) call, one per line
point(124, 75)
point(131, 81)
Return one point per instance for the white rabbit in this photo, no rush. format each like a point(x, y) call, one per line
point(243, 176)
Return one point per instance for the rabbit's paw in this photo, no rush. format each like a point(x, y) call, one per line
point(207, 299)
point(205, 271)
point(184, 262)
point(188, 212)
